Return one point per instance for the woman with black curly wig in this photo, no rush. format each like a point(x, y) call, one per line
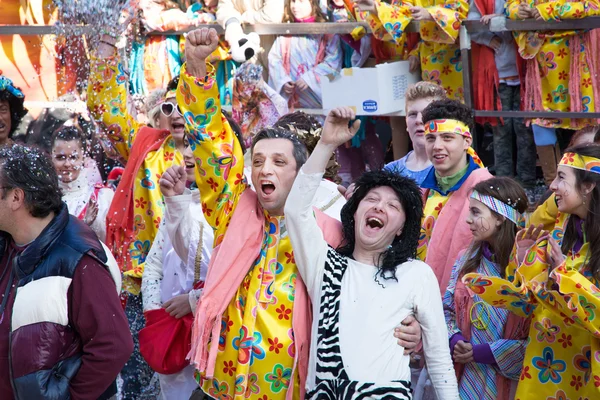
point(365, 288)
point(11, 109)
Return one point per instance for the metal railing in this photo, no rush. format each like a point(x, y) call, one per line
point(498, 24)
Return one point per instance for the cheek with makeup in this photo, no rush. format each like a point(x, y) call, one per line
point(482, 221)
point(568, 198)
point(68, 159)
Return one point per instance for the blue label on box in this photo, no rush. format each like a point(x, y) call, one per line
point(369, 106)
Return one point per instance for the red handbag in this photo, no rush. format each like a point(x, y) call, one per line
point(166, 341)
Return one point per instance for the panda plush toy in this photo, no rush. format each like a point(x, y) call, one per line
point(243, 46)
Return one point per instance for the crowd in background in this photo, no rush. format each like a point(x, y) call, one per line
point(494, 269)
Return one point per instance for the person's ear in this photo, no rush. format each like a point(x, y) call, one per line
point(468, 142)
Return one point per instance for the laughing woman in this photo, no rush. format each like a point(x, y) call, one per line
point(364, 289)
point(556, 281)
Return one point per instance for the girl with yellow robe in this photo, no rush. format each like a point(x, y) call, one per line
point(554, 278)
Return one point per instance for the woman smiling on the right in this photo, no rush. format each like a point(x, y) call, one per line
point(554, 277)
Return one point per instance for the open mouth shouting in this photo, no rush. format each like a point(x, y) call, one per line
point(267, 188)
point(178, 127)
point(374, 224)
point(189, 165)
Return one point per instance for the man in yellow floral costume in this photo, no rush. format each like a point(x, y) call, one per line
point(252, 325)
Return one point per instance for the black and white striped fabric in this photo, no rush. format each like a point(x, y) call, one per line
point(332, 381)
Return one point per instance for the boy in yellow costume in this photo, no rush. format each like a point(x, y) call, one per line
point(137, 209)
point(456, 169)
point(437, 52)
point(252, 326)
point(559, 292)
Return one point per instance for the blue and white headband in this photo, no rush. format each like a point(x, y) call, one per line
point(498, 206)
point(7, 84)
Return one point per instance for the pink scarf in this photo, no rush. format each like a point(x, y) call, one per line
point(227, 270)
point(305, 20)
point(451, 233)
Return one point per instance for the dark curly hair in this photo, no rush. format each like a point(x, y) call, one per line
point(32, 171)
point(449, 109)
point(68, 134)
point(404, 247)
point(17, 109)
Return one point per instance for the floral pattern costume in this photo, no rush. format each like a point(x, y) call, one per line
point(562, 358)
point(561, 65)
point(107, 101)
point(256, 347)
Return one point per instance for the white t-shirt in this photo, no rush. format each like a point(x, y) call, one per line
point(370, 309)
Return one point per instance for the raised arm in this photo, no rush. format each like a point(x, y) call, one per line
point(310, 247)
point(108, 100)
point(218, 154)
point(179, 222)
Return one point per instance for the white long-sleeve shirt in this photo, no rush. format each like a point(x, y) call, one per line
point(369, 312)
point(170, 267)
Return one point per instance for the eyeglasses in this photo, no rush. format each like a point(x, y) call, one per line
point(168, 108)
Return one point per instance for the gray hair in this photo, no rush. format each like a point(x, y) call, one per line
point(152, 104)
point(300, 153)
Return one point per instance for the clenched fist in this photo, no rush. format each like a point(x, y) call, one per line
point(199, 44)
point(172, 182)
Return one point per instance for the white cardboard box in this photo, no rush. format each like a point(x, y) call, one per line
point(371, 91)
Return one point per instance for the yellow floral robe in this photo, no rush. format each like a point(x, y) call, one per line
point(256, 347)
point(433, 207)
point(553, 56)
point(562, 359)
point(438, 51)
point(107, 101)
point(392, 44)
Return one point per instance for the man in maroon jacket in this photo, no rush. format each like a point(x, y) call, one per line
point(63, 332)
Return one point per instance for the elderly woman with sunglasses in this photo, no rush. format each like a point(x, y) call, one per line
point(137, 209)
